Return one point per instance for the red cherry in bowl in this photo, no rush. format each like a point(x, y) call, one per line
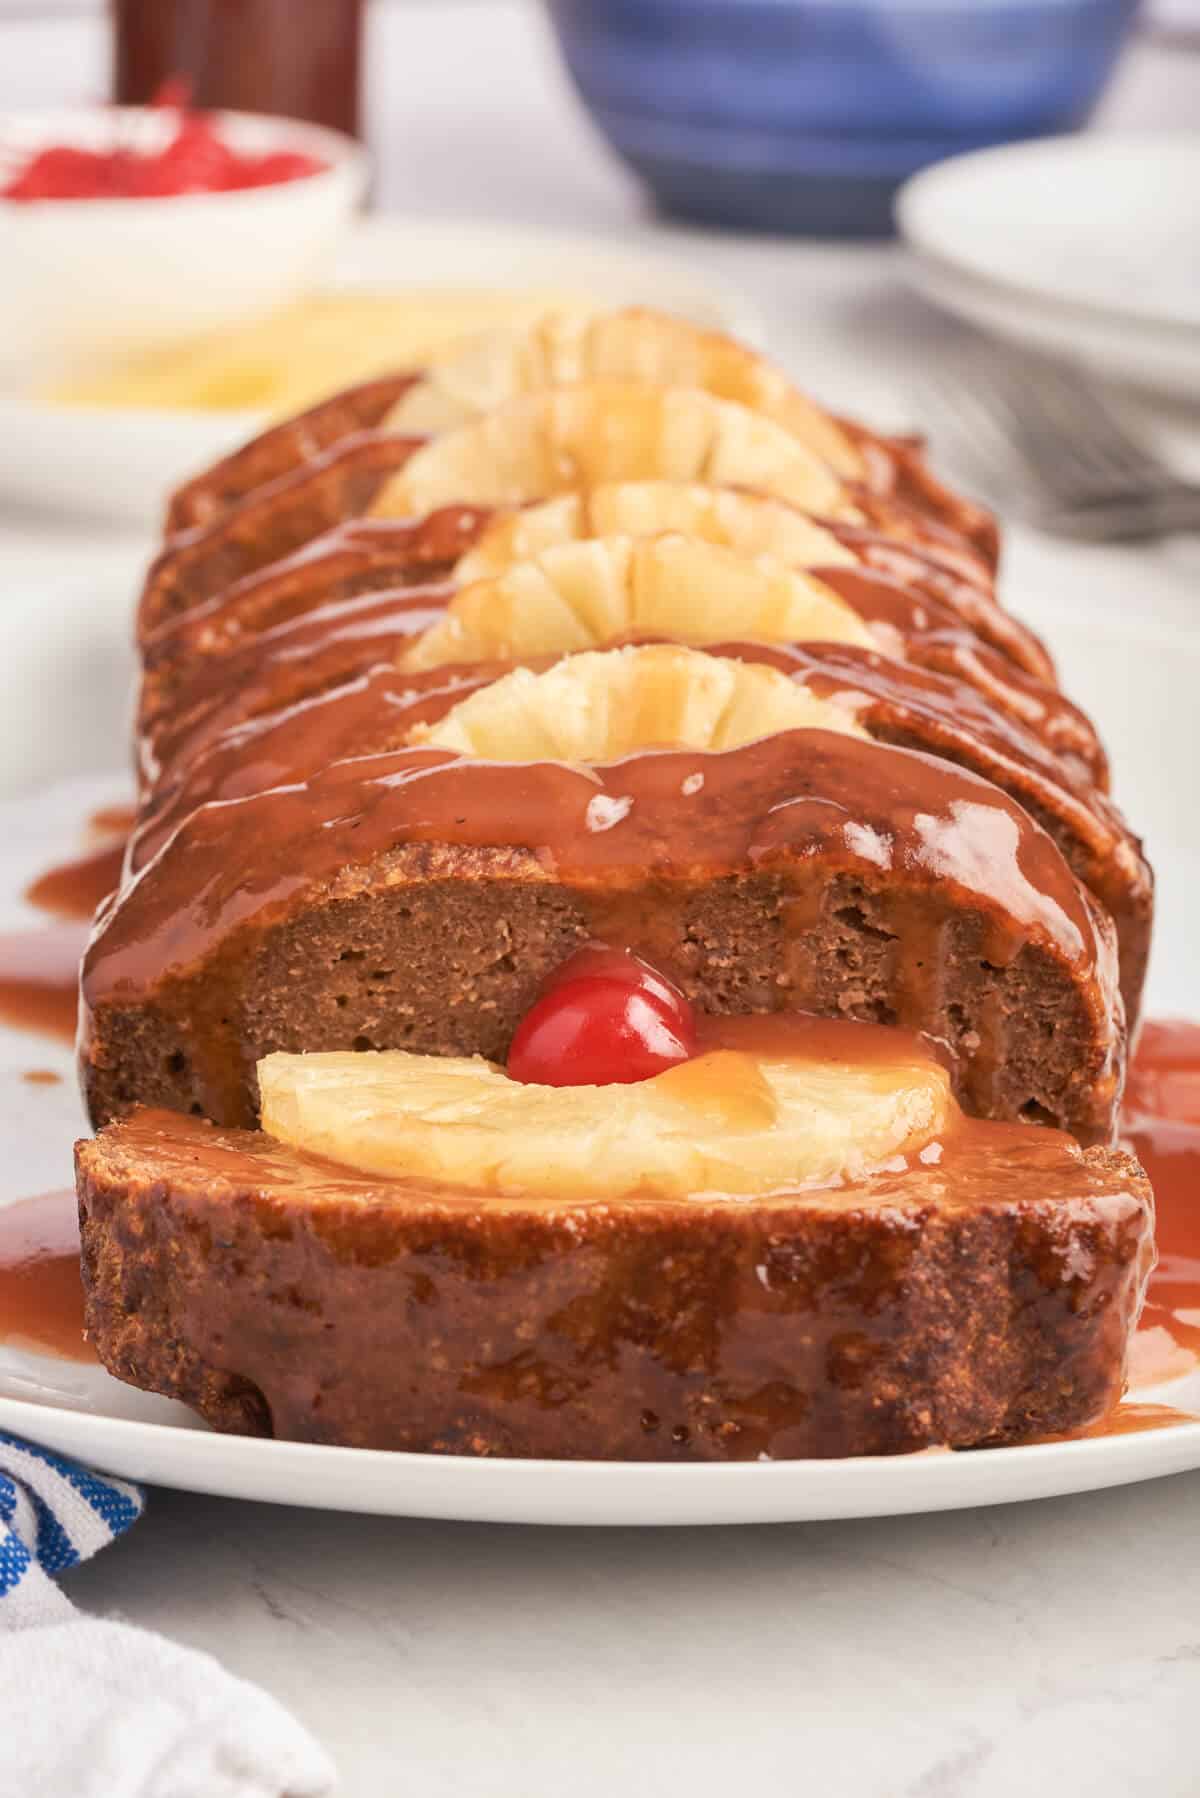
point(608, 1020)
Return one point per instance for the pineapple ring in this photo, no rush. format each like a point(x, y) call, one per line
point(602, 705)
point(567, 348)
point(583, 595)
point(571, 437)
point(726, 1122)
point(749, 523)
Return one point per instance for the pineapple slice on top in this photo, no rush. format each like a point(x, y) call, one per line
point(570, 438)
point(729, 1122)
point(749, 523)
point(582, 595)
point(602, 705)
point(568, 347)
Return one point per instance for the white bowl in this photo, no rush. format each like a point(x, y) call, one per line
point(90, 279)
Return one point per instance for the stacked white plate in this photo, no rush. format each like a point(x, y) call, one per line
point(1085, 246)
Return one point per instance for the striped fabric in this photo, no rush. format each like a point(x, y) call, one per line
point(53, 1514)
point(94, 1708)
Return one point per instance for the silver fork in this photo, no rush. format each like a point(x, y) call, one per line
point(1041, 435)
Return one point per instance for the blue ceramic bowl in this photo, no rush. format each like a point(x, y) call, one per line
point(806, 115)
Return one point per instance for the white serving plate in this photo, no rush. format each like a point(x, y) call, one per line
point(122, 464)
point(1085, 246)
point(1133, 676)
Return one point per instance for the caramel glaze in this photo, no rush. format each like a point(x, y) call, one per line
point(365, 554)
point(895, 702)
point(341, 564)
point(1044, 711)
point(39, 969)
point(39, 979)
point(933, 841)
point(1132, 1419)
point(183, 705)
point(41, 1296)
point(277, 452)
point(894, 468)
point(293, 662)
point(981, 1288)
point(75, 888)
point(339, 483)
point(887, 601)
point(269, 523)
point(895, 475)
point(954, 578)
point(1162, 1123)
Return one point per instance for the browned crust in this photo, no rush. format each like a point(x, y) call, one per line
point(640, 1330)
point(270, 523)
point(201, 501)
point(895, 470)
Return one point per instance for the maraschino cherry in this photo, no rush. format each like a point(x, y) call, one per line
point(197, 160)
point(605, 1018)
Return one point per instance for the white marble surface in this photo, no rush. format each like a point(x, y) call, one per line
point(1045, 1649)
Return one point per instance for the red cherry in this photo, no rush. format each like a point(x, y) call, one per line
point(276, 166)
point(598, 1031)
point(196, 160)
point(597, 961)
point(61, 172)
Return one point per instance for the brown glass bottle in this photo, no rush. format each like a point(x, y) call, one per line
point(276, 56)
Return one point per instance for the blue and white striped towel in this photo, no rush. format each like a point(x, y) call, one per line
point(97, 1709)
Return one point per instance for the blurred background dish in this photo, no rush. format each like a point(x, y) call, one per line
point(247, 55)
point(85, 279)
point(1088, 247)
point(806, 115)
point(117, 437)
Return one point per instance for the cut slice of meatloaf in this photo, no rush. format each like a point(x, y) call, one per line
point(899, 620)
point(281, 450)
point(345, 481)
point(356, 559)
point(361, 556)
point(906, 626)
point(361, 553)
point(896, 703)
point(984, 1300)
point(891, 474)
point(182, 707)
point(275, 521)
point(289, 663)
point(895, 469)
point(418, 899)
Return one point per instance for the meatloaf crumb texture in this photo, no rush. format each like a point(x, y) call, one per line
point(291, 1297)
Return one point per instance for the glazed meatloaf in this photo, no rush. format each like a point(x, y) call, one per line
point(196, 652)
point(887, 474)
point(603, 633)
point(417, 899)
point(897, 703)
point(539, 446)
point(263, 666)
point(981, 1302)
